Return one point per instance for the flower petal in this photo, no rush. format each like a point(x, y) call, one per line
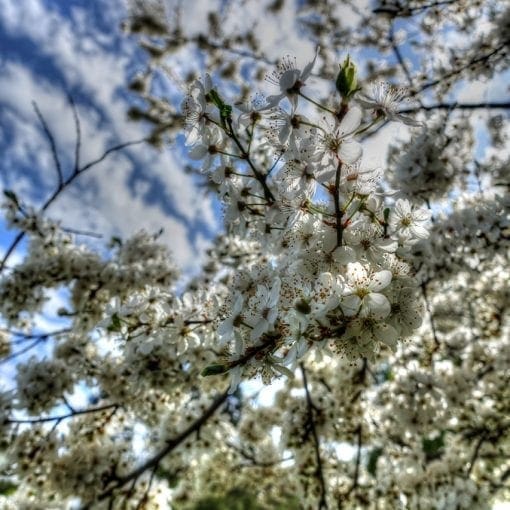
point(351, 121)
point(376, 305)
point(350, 151)
point(350, 304)
point(380, 280)
point(386, 334)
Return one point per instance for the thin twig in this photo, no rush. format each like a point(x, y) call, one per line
point(22, 351)
point(476, 453)
point(355, 480)
point(457, 106)
point(77, 128)
point(51, 140)
point(398, 55)
point(454, 72)
point(64, 416)
point(64, 185)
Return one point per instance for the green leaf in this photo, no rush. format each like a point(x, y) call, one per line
point(215, 369)
point(7, 488)
point(170, 476)
point(373, 456)
point(115, 324)
point(433, 447)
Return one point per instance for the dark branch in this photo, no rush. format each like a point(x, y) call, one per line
point(454, 72)
point(51, 140)
point(476, 453)
point(154, 461)
point(338, 210)
point(457, 106)
point(63, 186)
point(355, 480)
point(65, 416)
point(77, 127)
point(311, 423)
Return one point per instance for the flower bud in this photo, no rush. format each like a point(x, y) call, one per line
point(347, 80)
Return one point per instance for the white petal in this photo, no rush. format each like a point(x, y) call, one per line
point(356, 272)
point(388, 245)
point(289, 79)
point(260, 327)
point(386, 334)
point(344, 255)
point(308, 68)
point(350, 151)
point(351, 121)
point(239, 344)
point(198, 151)
point(350, 305)
point(419, 231)
point(380, 280)
point(376, 305)
point(225, 329)
point(235, 375)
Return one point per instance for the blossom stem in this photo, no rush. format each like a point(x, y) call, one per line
point(322, 107)
point(338, 210)
point(369, 125)
point(259, 176)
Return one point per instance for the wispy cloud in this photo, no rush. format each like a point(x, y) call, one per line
point(140, 188)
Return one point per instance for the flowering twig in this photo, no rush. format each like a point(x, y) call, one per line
point(171, 444)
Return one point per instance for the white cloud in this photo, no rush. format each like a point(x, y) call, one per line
point(112, 198)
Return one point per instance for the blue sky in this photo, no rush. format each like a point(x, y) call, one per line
point(50, 48)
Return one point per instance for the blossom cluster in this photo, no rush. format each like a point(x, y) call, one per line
point(336, 275)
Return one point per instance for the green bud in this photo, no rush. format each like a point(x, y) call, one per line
point(347, 80)
point(214, 370)
point(224, 109)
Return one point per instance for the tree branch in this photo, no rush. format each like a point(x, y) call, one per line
point(51, 140)
point(63, 185)
point(154, 461)
point(311, 422)
point(64, 416)
point(457, 106)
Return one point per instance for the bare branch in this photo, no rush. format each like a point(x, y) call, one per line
point(63, 186)
point(457, 106)
point(22, 351)
point(457, 71)
point(51, 140)
point(78, 134)
point(65, 416)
